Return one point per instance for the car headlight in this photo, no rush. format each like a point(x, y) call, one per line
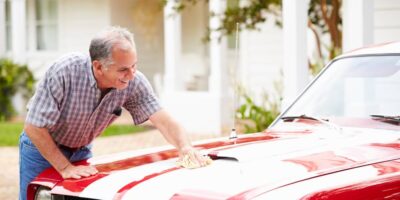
point(43, 193)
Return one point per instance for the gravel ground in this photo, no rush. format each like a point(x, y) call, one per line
point(9, 155)
point(9, 173)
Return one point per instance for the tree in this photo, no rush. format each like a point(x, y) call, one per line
point(324, 18)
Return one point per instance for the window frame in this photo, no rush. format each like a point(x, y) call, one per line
point(34, 23)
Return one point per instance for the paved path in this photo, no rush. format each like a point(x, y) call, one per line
point(9, 173)
point(105, 145)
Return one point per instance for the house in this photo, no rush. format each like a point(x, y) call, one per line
point(194, 80)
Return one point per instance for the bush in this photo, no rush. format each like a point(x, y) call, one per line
point(14, 78)
point(257, 117)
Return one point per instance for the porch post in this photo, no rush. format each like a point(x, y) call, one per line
point(218, 86)
point(18, 30)
point(358, 23)
point(216, 49)
point(2, 28)
point(295, 68)
point(172, 45)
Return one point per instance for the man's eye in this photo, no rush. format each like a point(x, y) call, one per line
point(127, 69)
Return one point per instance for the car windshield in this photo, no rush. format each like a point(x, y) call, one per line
point(353, 87)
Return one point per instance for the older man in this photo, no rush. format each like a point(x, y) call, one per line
point(79, 97)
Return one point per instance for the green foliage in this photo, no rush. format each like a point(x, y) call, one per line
point(248, 16)
point(180, 5)
point(14, 78)
point(122, 129)
point(10, 131)
point(257, 117)
point(316, 67)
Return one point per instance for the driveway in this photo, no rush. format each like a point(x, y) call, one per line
point(106, 145)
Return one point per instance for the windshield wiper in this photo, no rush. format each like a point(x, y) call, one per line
point(387, 118)
point(322, 121)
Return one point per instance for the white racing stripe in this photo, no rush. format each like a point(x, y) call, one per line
point(223, 177)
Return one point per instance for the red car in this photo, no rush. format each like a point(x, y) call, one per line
point(340, 139)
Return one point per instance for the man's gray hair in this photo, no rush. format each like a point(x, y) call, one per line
point(101, 45)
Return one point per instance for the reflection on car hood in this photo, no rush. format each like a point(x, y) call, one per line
point(253, 165)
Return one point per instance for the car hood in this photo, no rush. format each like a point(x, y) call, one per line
point(242, 168)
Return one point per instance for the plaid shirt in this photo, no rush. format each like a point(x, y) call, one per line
point(68, 103)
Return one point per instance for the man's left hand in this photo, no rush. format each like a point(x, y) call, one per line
point(191, 158)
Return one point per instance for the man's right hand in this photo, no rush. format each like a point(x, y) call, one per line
point(79, 171)
point(43, 141)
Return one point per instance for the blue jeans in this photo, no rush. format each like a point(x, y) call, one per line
point(32, 163)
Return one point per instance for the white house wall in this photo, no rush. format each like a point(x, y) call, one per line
point(261, 60)
point(78, 21)
point(386, 23)
point(145, 20)
point(193, 72)
point(197, 110)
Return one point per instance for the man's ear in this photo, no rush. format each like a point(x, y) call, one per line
point(97, 66)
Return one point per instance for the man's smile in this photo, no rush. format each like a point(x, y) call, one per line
point(125, 82)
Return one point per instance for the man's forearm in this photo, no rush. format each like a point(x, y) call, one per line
point(176, 136)
point(170, 129)
point(174, 133)
point(47, 147)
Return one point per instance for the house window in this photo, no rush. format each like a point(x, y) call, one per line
point(8, 25)
point(46, 17)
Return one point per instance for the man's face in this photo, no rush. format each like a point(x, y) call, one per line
point(120, 71)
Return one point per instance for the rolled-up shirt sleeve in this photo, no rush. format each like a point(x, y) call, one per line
point(142, 103)
point(44, 106)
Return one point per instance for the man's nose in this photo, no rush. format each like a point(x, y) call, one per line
point(131, 73)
